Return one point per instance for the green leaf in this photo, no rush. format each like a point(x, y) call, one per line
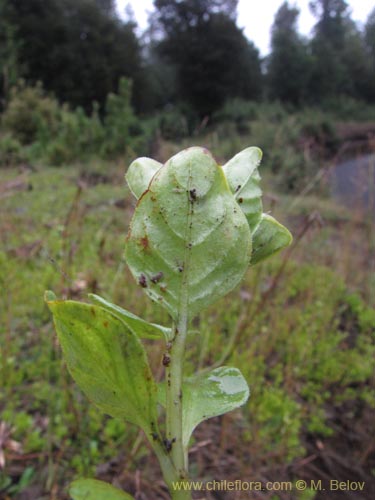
point(137, 325)
point(107, 361)
point(208, 395)
point(269, 238)
point(244, 179)
point(189, 243)
point(92, 489)
point(140, 173)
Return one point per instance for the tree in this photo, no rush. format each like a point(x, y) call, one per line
point(213, 59)
point(107, 6)
point(289, 64)
point(77, 48)
point(369, 41)
point(332, 16)
point(370, 35)
point(9, 49)
point(340, 65)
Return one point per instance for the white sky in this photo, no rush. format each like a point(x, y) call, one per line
point(256, 16)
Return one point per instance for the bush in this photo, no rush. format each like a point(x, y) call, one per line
point(28, 112)
point(79, 136)
point(60, 135)
point(11, 152)
point(123, 130)
point(173, 125)
point(239, 112)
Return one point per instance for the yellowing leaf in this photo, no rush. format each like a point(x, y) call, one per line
point(92, 489)
point(107, 361)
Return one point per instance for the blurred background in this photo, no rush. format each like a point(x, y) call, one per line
point(84, 90)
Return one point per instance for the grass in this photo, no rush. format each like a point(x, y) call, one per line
point(304, 338)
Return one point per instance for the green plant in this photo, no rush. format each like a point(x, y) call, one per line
point(196, 229)
point(10, 151)
point(28, 110)
point(122, 128)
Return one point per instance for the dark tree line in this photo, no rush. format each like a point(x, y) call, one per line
point(79, 49)
point(194, 54)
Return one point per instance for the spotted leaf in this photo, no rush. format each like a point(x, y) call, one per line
point(189, 243)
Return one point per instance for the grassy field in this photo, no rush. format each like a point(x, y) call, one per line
point(300, 327)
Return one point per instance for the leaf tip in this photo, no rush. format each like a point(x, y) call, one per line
point(49, 296)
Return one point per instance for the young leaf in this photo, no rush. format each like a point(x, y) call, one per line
point(269, 238)
point(107, 361)
point(140, 173)
point(140, 327)
point(92, 489)
point(208, 395)
point(189, 243)
point(244, 179)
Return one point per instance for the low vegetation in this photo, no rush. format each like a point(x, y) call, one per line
point(302, 322)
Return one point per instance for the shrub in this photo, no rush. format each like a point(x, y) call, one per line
point(173, 125)
point(238, 111)
point(123, 130)
point(11, 152)
point(29, 111)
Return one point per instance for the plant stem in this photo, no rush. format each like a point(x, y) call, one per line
point(170, 475)
point(174, 377)
point(174, 372)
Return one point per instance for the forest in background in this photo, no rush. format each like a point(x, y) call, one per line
point(76, 82)
point(192, 57)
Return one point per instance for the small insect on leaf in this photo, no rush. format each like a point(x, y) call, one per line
point(157, 277)
point(142, 280)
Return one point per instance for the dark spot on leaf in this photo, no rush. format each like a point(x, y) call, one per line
point(166, 359)
point(142, 281)
point(238, 188)
point(193, 195)
point(155, 437)
point(189, 245)
point(93, 312)
point(157, 277)
point(180, 268)
point(105, 324)
point(240, 200)
point(144, 242)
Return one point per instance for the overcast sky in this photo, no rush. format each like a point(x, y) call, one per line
point(256, 16)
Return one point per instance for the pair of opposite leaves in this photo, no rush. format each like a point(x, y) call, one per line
point(197, 226)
